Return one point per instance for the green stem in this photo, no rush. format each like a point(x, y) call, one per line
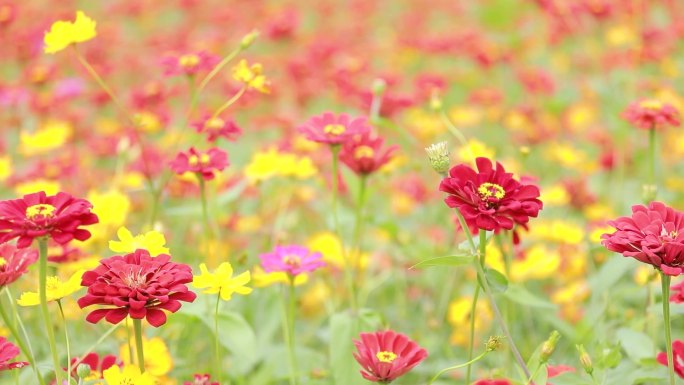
point(288, 330)
point(42, 280)
point(66, 338)
point(470, 362)
point(471, 345)
point(358, 232)
point(219, 361)
point(218, 68)
point(208, 230)
point(665, 282)
point(137, 325)
point(536, 371)
point(111, 330)
point(455, 131)
point(129, 340)
point(22, 345)
point(229, 102)
point(291, 323)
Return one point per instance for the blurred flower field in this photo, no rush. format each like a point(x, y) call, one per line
point(257, 192)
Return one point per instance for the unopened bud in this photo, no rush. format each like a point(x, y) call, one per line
point(585, 360)
point(549, 346)
point(493, 343)
point(438, 155)
point(248, 39)
point(379, 86)
point(435, 102)
point(649, 192)
point(83, 370)
point(524, 150)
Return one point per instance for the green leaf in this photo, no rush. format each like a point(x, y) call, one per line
point(609, 274)
point(497, 281)
point(637, 345)
point(449, 260)
point(344, 368)
point(239, 338)
point(519, 294)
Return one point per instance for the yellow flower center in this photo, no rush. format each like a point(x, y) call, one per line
point(214, 123)
point(203, 159)
point(334, 129)
point(39, 211)
point(488, 190)
point(189, 60)
point(386, 356)
point(292, 260)
point(363, 152)
point(3, 262)
point(651, 105)
point(52, 283)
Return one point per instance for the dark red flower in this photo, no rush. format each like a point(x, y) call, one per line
point(201, 379)
point(96, 364)
point(490, 199)
point(651, 114)
point(14, 262)
point(7, 352)
point(333, 130)
point(37, 215)
point(136, 285)
point(678, 355)
point(386, 355)
point(364, 154)
point(653, 235)
point(216, 128)
point(204, 164)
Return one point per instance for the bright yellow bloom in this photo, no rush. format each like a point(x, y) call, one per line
point(56, 290)
point(558, 231)
point(260, 278)
point(271, 163)
point(112, 208)
point(465, 116)
point(330, 246)
point(251, 76)
point(158, 360)
point(555, 195)
point(36, 185)
point(152, 241)
point(64, 33)
point(50, 136)
point(129, 375)
point(147, 121)
point(222, 281)
point(459, 319)
point(475, 149)
point(5, 168)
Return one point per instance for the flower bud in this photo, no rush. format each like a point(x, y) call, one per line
point(435, 102)
point(649, 192)
point(438, 155)
point(493, 343)
point(248, 39)
point(585, 359)
point(379, 86)
point(83, 370)
point(549, 346)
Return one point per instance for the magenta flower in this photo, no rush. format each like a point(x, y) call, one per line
point(14, 263)
point(204, 164)
point(333, 130)
point(652, 235)
point(292, 260)
point(7, 352)
point(216, 128)
point(189, 64)
point(385, 356)
point(364, 154)
point(651, 114)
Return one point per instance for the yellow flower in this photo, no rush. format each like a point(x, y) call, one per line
point(147, 121)
point(263, 279)
point(475, 149)
point(158, 360)
point(129, 375)
point(251, 76)
point(465, 116)
point(555, 195)
point(111, 207)
point(222, 281)
point(51, 135)
point(152, 241)
point(56, 290)
point(50, 187)
point(330, 246)
point(558, 231)
point(5, 168)
point(459, 319)
point(271, 163)
point(64, 33)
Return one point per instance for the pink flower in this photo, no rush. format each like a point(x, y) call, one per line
point(652, 235)
point(7, 352)
point(136, 285)
point(14, 263)
point(384, 356)
point(493, 382)
point(489, 198)
point(651, 114)
point(333, 130)
point(189, 64)
point(293, 260)
point(204, 164)
point(216, 128)
point(678, 355)
point(364, 154)
point(96, 363)
point(37, 215)
point(201, 379)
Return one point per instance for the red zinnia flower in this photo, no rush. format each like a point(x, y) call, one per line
point(215, 128)
point(651, 114)
point(201, 379)
point(385, 356)
point(37, 215)
point(200, 163)
point(14, 262)
point(333, 130)
point(7, 352)
point(651, 235)
point(97, 365)
point(138, 285)
point(678, 353)
point(490, 199)
point(493, 382)
point(189, 64)
point(364, 154)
